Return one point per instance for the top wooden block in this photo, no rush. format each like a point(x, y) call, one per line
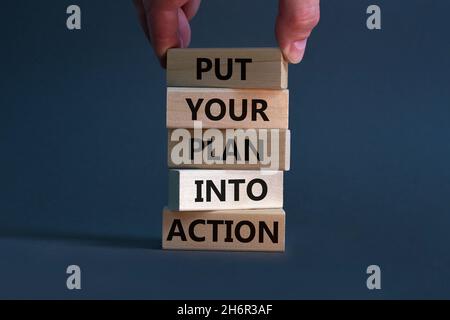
point(263, 68)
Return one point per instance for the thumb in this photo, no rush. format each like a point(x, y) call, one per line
point(295, 22)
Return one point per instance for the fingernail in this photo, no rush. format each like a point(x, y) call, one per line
point(296, 51)
point(181, 42)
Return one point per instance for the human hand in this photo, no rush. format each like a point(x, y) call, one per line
point(166, 24)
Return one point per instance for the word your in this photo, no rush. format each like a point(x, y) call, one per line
point(258, 106)
point(205, 65)
point(244, 231)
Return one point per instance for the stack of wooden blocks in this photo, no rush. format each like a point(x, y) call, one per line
point(228, 145)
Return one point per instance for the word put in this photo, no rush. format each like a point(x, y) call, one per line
point(205, 65)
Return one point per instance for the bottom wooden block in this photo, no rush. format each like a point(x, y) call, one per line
point(240, 230)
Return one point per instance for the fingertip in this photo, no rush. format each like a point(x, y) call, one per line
point(191, 8)
point(295, 51)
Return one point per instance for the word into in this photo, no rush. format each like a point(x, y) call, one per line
point(220, 191)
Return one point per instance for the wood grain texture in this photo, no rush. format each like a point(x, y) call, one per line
point(227, 108)
point(267, 68)
point(238, 230)
point(192, 189)
point(238, 149)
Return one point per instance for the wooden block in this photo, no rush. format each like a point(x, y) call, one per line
point(244, 230)
point(227, 108)
point(227, 68)
point(229, 149)
point(193, 189)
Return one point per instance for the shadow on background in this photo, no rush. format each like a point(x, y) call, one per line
point(120, 241)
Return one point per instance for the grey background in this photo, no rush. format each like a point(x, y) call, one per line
point(83, 174)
